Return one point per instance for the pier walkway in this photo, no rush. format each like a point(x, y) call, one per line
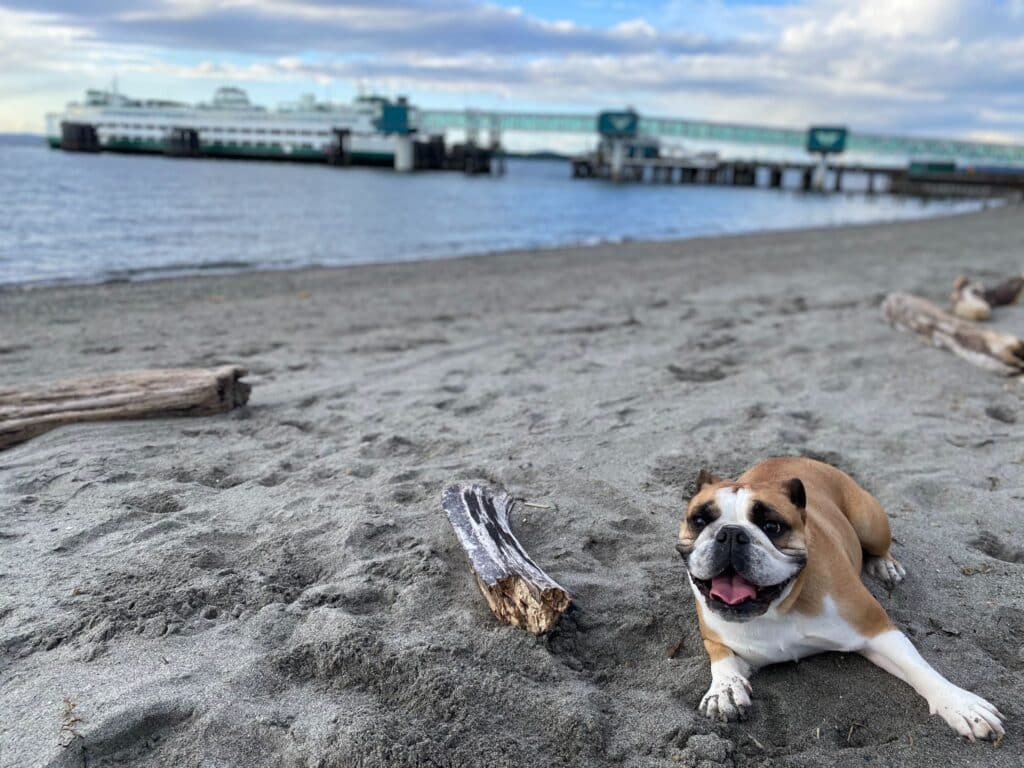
point(865, 143)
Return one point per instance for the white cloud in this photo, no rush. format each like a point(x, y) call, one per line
point(939, 66)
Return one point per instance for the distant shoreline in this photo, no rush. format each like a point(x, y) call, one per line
point(21, 138)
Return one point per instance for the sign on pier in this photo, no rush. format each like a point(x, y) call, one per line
point(826, 139)
point(618, 125)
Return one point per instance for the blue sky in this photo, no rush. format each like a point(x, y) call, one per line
point(947, 67)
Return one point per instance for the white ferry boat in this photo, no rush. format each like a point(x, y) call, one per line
point(231, 126)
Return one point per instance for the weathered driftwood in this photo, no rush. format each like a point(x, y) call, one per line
point(31, 410)
point(1007, 292)
point(984, 347)
point(973, 301)
point(517, 590)
point(969, 301)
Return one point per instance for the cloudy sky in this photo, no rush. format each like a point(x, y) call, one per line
point(947, 67)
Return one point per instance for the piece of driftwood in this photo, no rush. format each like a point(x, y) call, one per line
point(973, 301)
point(517, 590)
point(1007, 292)
point(984, 347)
point(969, 300)
point(31, 410)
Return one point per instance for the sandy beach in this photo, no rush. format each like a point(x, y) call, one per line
point(279, 587)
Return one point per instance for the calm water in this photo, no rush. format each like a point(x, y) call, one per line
point(66, 217)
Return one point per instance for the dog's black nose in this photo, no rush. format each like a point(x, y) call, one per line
point(734, 534)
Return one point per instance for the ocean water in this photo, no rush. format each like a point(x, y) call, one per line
point(88, 218)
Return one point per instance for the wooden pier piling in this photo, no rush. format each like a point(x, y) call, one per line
point(838, 182)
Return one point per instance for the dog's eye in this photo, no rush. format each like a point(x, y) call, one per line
point(771, 527)
point(698, 522)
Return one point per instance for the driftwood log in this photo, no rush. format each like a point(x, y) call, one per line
point(969, 300)
point(517, 590)
point(984, 347)
point(31, 410)
point(973, 301)
point(1007, 292)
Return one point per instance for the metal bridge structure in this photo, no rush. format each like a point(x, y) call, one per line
point(877, 144)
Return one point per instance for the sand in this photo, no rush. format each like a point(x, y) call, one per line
point(279, 587)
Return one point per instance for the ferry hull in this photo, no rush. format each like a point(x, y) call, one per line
point(365, 157)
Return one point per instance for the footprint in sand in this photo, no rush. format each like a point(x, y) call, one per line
point(993, 545)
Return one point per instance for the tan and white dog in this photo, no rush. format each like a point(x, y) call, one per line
point(774, 560)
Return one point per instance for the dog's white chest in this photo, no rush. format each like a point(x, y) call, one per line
point(774, 637)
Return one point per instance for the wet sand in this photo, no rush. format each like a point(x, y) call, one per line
point(278, 586)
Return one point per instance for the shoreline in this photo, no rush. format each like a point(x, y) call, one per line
point(216, 271)
point(279, 584)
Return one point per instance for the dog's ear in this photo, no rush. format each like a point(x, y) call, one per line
point(706, 478)
point(797, 494)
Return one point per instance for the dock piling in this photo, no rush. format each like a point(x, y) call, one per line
point(838, 182)
point(403, 153)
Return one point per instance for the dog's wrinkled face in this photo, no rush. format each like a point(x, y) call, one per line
point(743, 544)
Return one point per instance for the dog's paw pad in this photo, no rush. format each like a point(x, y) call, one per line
point(969, 715)
point(888, 571)
point(727, 700)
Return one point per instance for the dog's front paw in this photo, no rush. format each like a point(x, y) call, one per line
point(968, 714)
point(888, 571)
point(727, 699)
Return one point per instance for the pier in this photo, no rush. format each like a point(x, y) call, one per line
point(625, 155)
point(806, 177)
point(803, 176)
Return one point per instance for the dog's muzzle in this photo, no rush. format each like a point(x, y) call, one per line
point(732, 549)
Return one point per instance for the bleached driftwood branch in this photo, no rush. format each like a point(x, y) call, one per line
point(30, 410)
point(517, 590)
point(984, 347)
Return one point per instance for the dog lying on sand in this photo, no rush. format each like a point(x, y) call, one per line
point(774, 559)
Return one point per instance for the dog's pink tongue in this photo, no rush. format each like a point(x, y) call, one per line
point(732, 589)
